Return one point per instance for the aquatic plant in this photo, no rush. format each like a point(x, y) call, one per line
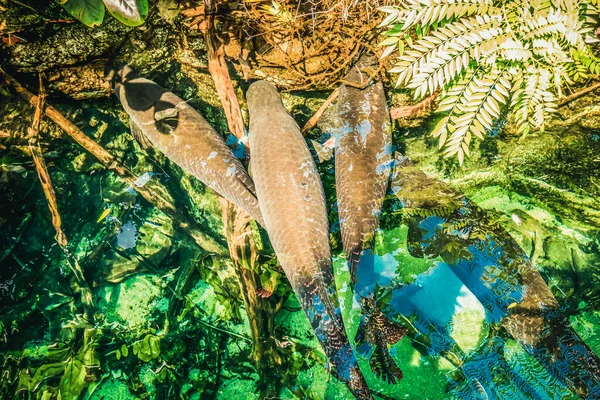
point(91, 12)
point(489, 57)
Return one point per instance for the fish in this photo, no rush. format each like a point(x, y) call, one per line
point(361, 127)
point(160, 119)
point(483, 255)
point(292, 202)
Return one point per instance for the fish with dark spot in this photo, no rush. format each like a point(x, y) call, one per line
point(160, 119)
point(291, 198)
point(361, 127)
point(489, 262)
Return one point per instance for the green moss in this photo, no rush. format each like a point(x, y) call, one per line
point(132, 302)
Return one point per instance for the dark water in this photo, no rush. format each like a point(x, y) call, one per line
point(167, 321)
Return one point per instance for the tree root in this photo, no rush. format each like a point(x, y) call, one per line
point(237, 223)
point(218, 70)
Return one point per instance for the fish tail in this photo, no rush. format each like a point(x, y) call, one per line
point(546, 334)
point(566, 357)
point(322, 309)
point(374, 334)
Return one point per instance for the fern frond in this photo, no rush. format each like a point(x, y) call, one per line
point(541, 25)
point(450, 102)
point(429, 12)
point(480, 105)
point(470, 49)
point(535, 100)
point(587, 59)
point(441, 44)
point(444, 61)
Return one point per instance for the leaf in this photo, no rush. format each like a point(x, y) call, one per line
point(124, 350)
point(129, 12)
point(148, 348)
point(89, 12)
point(73, 381)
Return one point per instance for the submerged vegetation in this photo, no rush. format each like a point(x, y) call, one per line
point(159, 289)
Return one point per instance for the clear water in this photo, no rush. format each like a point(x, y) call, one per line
point(167, 320)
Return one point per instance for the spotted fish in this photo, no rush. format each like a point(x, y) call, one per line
point(490, 263)
point(360, 125)
point(293, 206)
point(161, 119)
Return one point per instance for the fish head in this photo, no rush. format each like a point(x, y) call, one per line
point(363, 71)
point(261, 96)
point(116, 73)
point(418, 192)
point(143, 99)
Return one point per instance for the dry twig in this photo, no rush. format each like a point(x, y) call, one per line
point(315, 118)
point(42, 169)
point(578, 94)
point(154, 197)
point(407, 111)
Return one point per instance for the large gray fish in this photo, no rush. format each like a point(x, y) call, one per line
point(161, 119)
point(293, 206)
point(360, 124)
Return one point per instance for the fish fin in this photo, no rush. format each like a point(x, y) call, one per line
point(377, 331)
point(263, 293)
point(249, 170)
point(323, 151)
point(139, 136)
point(384, 367)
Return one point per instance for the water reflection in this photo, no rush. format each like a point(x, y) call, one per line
point(474, 254)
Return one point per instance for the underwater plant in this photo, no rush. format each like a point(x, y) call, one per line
point(91, 12)
point(490, 57)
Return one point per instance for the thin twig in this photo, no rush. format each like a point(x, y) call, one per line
point(154, 197)
point(315, 118)
point(578, 94)
point(42, 169)
point(407, 111)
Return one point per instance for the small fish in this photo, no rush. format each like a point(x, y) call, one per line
point(104, 214)
point(516, 219)
point(292, 202)
point(160, 119)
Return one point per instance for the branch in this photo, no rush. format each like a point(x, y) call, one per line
point(153, 196)
point(407, 111)
point(315, 118)
point(42, 170)
point(577, 95)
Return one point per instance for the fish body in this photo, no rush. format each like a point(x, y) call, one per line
point(361, 127)
point(293, 206)
point(363, 152)
point(490, 263)
point(161, 119)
